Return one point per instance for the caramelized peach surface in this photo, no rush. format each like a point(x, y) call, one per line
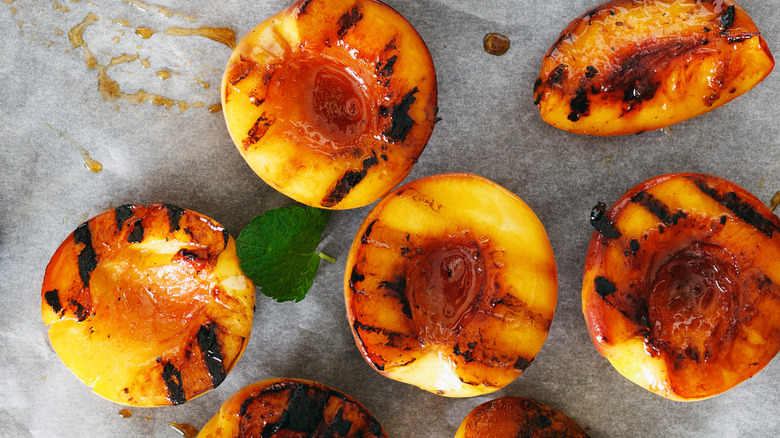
point(451, 285)
point(291, 408)
point(630, 66)
point(147, 305)
point(512, 417)
point(331, 102)
point(680, 290)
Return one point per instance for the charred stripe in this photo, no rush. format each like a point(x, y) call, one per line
point(87, 258)
point(600, 221)
point(338, 425)
point(80, 312)
point(348, 181)
point(137, 235)
point(741, 209)
point(349, 20)
point(174, 216)
point(386, 69)
point(366, 235)
point(212, 356)
point(399, 288)
point(305, 411)
point(604, 287)
point(257, 131)
point(122, 213)
point(557, 75)
point(52, 298)
point(402, 121)
point(302, 9)
point(172, 378)
point(522, 363)
point(727, 19)
point(658, 208)
point(355, 278)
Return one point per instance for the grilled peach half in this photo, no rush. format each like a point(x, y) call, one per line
point(451, 285)
point(331, 102)
point(511, 417)
point(291, 408)
point(630, 66)
point(147, 304)
point(680, 289)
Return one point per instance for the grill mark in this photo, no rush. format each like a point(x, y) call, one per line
point(355, 278)
point(366, 235)
point(402, 122)
point(302, 9)
point(174, 216)
point(727, 19)
point(658, 208)
point(357, 325)
point(579, 105)
point(386, 69)
point(349, 20)
point(305, 411)
point(399, 288)
point(172, 378)
point(80, 312)
point(348, 181)
point(740, 208)
point(137, 235)
point(52, 298)
point(604, 287)
point(212, 356)
point(557, 75)
point(257, 131)
point(339, 426)
point(601, 223)
point(87, 258)
point(121, 214)
point(522, 363)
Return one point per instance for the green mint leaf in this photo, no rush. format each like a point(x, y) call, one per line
point(278, 250)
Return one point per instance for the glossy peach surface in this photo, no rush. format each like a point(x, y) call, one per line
point(147, 305)
point(291, 408)
point(630, 66)
point(512, 417)
point(451, 285)
point(331, 102)
point(680, 290)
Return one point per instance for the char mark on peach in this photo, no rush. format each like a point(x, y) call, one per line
point(349, 20)
point(579, 105)
point(386, 69)
point(402, 121)
point(727, 19)
point(257, 131)
point(601, 223)
point(172, 378)
point(87, 258)
point(137, 235)
point(121, 214)
point(52, 298)
point(604, 287)
point(399, 289)
point(174, 216)
point(302, 8)
point(212, 356)
point(348, 181)
point(658, 208)
point(741, 209)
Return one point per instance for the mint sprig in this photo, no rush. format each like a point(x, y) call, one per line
point(278, 251)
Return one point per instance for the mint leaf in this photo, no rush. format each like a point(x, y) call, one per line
point(278, 250)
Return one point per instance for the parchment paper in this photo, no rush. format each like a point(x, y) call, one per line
point(52, 111)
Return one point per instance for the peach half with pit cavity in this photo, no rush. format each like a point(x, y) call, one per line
point(451, 285)
point(331, 102)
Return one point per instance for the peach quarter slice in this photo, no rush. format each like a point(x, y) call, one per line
point(291, 408)
point(512, 417)
point(630, 66)
point(680, 290)
point(451, 285)
point(147, 305)
point(331, 102)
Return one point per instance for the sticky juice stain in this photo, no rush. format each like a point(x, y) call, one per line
point(775, 202)
point(187, 430)
point(89, 163)
point(125, 413)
